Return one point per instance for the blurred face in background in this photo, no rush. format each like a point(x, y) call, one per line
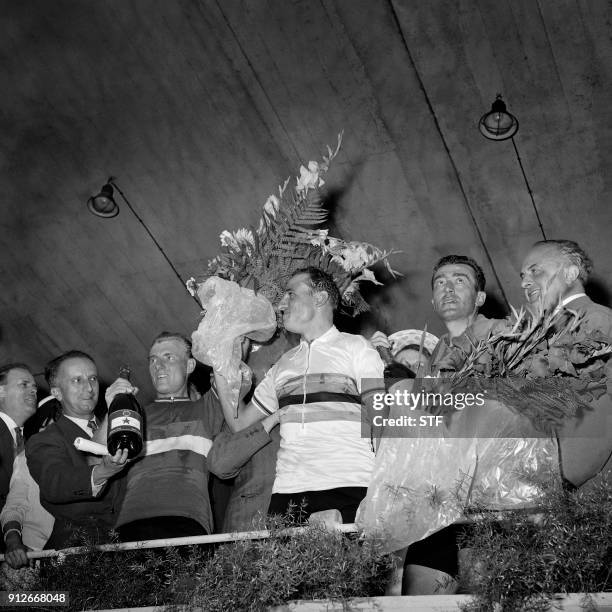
point(18, 395)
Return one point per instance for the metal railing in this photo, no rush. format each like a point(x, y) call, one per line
point(185, 541)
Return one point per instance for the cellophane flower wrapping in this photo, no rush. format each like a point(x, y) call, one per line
point(231, 312)
point(423, 483)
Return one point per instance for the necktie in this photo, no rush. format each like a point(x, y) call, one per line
point(92, 424)
point(19, 443)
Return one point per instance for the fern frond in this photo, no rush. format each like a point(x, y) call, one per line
point(287, 239)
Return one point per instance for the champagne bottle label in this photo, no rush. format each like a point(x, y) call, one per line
point(125, 420)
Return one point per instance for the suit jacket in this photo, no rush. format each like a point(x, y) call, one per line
point(252, 491)
point(596, 316)
point(585, 443)
point(7, 455)
point(252, 487)
point(64, 477)
point(250, 456)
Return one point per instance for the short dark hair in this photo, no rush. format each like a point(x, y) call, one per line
point(321, 281)
point(574, 253)
point(52, 368)
point(15, 365)
point(166, 335)
point(466, 261)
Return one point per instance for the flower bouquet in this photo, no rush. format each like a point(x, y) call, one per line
point(245, 282)
point(546, 368)
point(535, 375)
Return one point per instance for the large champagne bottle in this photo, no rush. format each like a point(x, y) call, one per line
point(125, 421)
point(394, 370)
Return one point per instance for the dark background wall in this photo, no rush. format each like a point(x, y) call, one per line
point(201, 108)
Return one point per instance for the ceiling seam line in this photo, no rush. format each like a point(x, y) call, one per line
point(553, 57)
point(448, 153)
point(256, 76)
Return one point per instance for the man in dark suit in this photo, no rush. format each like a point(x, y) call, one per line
point(553, 277)
point(252, 488)
point(17, 404)
point(76, 493)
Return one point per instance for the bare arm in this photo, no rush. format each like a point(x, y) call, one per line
point(247, 413)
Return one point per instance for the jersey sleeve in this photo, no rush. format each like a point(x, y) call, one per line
point(264, 397)
point(368, 366)
point(212, 412)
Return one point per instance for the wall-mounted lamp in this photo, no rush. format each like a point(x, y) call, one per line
point(104, 205)
point(498, 123)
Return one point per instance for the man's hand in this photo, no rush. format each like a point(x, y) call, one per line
point(246, 414)
point(247, 379)
point(245, 384)
point(121, 385)
point(15, 554)
point(271, 421)
point(110, 466)
point(380, 339)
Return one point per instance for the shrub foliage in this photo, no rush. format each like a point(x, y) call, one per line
point(519, 564)
point(246, 575)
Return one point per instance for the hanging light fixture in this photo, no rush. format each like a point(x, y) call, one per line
point(498, 123)
point(103, 204)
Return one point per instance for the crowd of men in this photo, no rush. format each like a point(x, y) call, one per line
point(318, 391)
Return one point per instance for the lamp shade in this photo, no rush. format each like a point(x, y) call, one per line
point(498, 123)
point(103, 204)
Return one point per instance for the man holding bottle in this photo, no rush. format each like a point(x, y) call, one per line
point(77, 494)
point(167, 486)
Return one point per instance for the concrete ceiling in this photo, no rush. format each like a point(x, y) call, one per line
point(201, 108)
